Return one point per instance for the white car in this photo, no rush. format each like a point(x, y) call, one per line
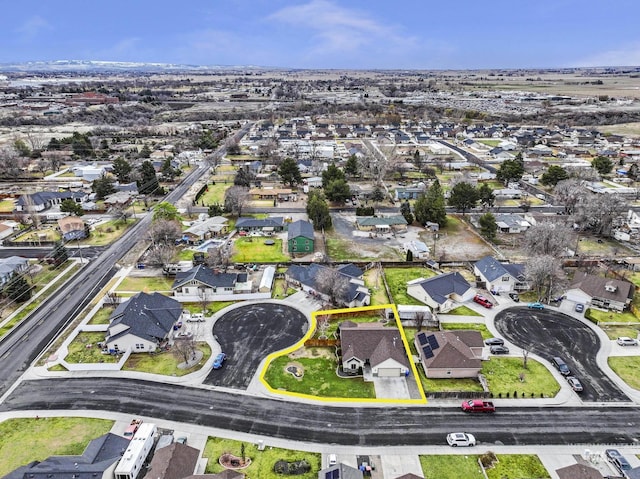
point(456, 439)
point(624, 341)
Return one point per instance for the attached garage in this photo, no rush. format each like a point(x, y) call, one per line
point(389, 368)
point(577, 296)
point(389, 372)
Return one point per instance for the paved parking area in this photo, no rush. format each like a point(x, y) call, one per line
point(550, 333)
point(248, 334)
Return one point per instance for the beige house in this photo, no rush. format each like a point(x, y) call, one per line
point(450, 354)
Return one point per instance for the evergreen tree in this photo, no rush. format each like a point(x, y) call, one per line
point(488, 226)
point(377, 194)
point(59, 253)
point(318, 211)
point(511, 170)
point(485, 193)
point(554, 175)
point(215, 210)
point(148, 182)
point(243, 178)
point(70, 206)
point(122, 169)
point(430, 206)
point(463, 196)
point(289, 172)
point(103, 186)
point(409, 257)
point(405, 210)
point(18, 289)
point(351, 167)
point(338, 191)
point(145, 152)
point(602, 165)
point(330, 174)
point(167, 169)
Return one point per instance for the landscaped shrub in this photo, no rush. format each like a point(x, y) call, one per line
point(291, 468)
point(589, 316)
point(488, 459)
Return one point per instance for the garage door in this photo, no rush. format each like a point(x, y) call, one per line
point(389, 372)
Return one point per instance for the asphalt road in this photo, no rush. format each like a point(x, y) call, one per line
point(248, 334)
point(348, 425)
point(550, 333)
point(22, 345)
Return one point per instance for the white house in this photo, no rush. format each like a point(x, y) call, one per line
point(441, 293)
point(203, 282)
point(419, 249)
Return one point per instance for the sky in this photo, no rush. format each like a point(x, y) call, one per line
point(339, 34)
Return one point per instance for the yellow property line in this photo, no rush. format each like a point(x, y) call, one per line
point(312, 329)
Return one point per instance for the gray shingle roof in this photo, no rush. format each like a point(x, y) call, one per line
point(207, 276)
point(148, 316)
point(273, 222)
point(441, 286)
point(492, 269)
point(300, 228)
point(373, 342)
point(595, 286)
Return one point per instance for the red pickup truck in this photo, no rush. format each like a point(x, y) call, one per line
point(478, 405)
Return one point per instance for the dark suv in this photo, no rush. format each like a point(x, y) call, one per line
point(561, 366)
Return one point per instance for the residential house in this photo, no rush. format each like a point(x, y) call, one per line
point(99, 459)
point(606, 293)
point(119, 199)
point(511, 223)
point(7, 228)
point(72, 228)
point(45, 199)
point(409, 192)
point(260, 225)
point(408, 313)
point(174, 461)
point(499, 277)
point(374, 348)
point(578, 471)
point(306, 277)
point(11, 266)
point(383, 225)
point(143, 323)
point(441, 293)
point(90, 172)
point(275, 194)
point(313, 182)
point(203, 230)
point(419, 249)
point(203, 282)
point(300, 237)
point(340, 471)
point(450, 354)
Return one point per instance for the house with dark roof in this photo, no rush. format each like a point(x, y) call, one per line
point(501, 277)
point(355, 294)
point(579, 471)
point(372, 348)
point(300, 237)
point(450, 354)
point(201, 281)
point(262, 225)
point(606, 293)
point(99, 459)
point(11, 266)
point(42, 200)
point(174, 461)
point(143, 323)
point(441, 293)
point(340, 471)
point(381, 225)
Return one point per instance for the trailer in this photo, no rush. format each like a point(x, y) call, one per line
point(136, 454)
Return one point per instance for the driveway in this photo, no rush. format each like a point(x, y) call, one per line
point(549, 333)
point(250, 333)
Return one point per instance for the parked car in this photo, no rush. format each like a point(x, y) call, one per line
point(456, 439)
point(515, 297)
point(477, 405)
point(561, 366)
point(333, 460)
point(181, 440)
point(579, 307)
point(618, 460)
point(624, 341)
point(494, 342)
point(478, 298)
point(195, 318)
point(575, 383)
point(499, 349)
point(219, 360)
point(535, 305)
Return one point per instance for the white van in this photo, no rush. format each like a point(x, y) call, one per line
point(333, 460)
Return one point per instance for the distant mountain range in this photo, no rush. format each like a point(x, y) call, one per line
point(105, 66)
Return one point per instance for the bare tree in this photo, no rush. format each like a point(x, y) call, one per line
point(165, 232)
point(525, 358)
point(322, 326)
point(203, 298)
point(545, 276)
point(12, 165)
point(419, 319)
point(333, 284)
point(549, 238)
point(599, 212)
point(218, 257)
point(235, 199)
point(55, 160)
point(35, 140)
point(568, 193)
point(161, 254)
point(30, 209)
point(184, 348)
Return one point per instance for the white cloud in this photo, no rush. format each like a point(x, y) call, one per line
point(337, 29)
point(626, 55)
point(32, 27)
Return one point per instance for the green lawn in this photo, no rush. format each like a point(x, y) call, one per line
point(397, 279)
point(214, 193)
point(503, 376)
point(102, 315)
point(262, 462)
point(251, 249)
point(373, 281)
point(627, 368)
point(212, 307)
point(451, 467)
point(474, 326)
point(165, 363)
point(108, 232)
point(518, 466)
point(148, 284)
point(343, 249)
point(615, 331)
point(43, 234)
point(7, 205)
point(463, 311)
point(79, 353)
point(319, 379)
point(598, 316)
point(278, 290)
point(25, 440)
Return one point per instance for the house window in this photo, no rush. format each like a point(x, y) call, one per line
point(353, 366)
point(295, 246)
point(505, 278)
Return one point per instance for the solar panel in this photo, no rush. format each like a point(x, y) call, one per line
point(428, 353)
point(423, 339)
point(433, 342)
